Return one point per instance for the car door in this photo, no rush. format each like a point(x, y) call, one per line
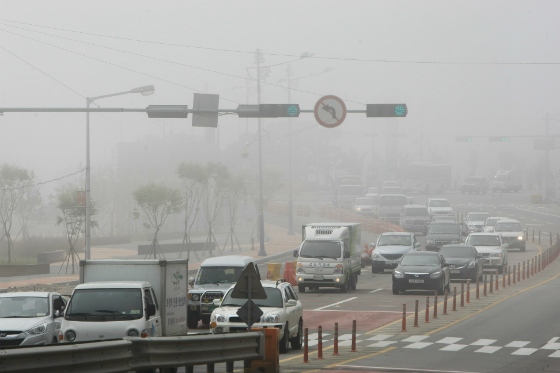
point(154, 322)
point(444, 269)
point(293, 312)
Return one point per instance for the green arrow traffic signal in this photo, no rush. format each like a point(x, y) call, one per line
point(464, 138)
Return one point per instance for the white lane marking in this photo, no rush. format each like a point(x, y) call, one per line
point(517, 344)
point(450, 340)
point(405, 369)
point(483, 342)
point(375, 291)
point(453, 347)
point(334, 304)
point(380, 337)
point(346, 337)
point(347, 343)
point(415, 338)
point(556, 354)
point(553, 340)
point(312, 343)
point(316, 335)
point(488, 349)
point(382, 344)
point(524, 351)
point(418, 345)
point(551, 346)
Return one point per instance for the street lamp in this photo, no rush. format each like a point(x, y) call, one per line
point(262, 73)
point(145, 91)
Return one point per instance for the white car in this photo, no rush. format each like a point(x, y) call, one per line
point(512, 233)
point(490, 222)
point(30, 318)
point(492, 249)
point(439, 206)
point(281, 309)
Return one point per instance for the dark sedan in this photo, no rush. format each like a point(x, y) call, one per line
point(421, 270)
point(442, 233)
point(464, 261)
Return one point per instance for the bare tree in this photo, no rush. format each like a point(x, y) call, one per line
point(74, 219)
point(157, 202)
point(193, 181)
point(213, 197)
point(29, 211)
point(13, 183)
point(233, 194)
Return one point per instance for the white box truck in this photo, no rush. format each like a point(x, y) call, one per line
point(329, 256)
point(135, 298)
point(507, 181)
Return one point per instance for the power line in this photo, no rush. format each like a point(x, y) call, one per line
point(164, 60)
point(44, 182)
point(285, 54)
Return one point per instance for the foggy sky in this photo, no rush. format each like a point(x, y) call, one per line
point(444, 100)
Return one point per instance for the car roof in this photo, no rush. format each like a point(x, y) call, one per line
point(395, 234)
point(460, 245)
point(479, 212)
point(38, 294)
point(484, 234)
point(415, 205)
point(497, 217)
point(508, 220)
point(438, 222)
point(115, 285)
point(437, 199)
point(424, 253)
point(228, 260)
point(391, 195)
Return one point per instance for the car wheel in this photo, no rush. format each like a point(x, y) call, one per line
point(396, 290)
point(301, 288)
point(297, 341)
point(363, 265)
point(54, 340)
point(192, 320)
point(353, 281)
point(205, 319)
point(344, 287)
point(441, 289)
point(285, 340)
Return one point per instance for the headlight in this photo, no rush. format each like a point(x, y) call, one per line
point(219, 318)
point(496, 254)
point(453, 241)
point(70, 336)
point(39, 329)
point(430, 241)
point(471, 264)
point(195, 297)
point(272, 318)
point(357, 208)
point(435, 274)
point(398, 274)
point(520, 238)
point(300, 270)
point(376, 256)
point(132, 333)
point(338, 269)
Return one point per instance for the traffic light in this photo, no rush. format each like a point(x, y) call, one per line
point(499, 138)
point(386, 110)
point(269, 111)
point(463, 138)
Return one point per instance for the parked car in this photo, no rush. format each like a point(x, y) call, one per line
point(512, 233)
point(490, 222)
point(507, 181)
point(364, 206)
point(30, 318)
point(421, 270)
point(475, 184)
point(474, 222)
point(390, 206)
point(391, 189)
point(493, 251)
point(439, 206)
point(390, 248)
point(415, 218)
point(281, 309)
point(442, 233)
point(212, 280)
point(464, 261)
point(372, 191)
point(410, 201)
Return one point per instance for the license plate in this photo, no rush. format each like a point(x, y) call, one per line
point(416, 281)
point(317, 277)
point(455, 271)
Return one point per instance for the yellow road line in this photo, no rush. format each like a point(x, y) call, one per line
point(362, 357)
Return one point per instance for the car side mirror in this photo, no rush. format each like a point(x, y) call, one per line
point(291, 303)
point(58, 304)
point(296, 254)
point(217, 302)
point(191, 281)
point(346, 254)
point(417, 245)
point(150, 310)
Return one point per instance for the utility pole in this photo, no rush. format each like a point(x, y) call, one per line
point(290, 199)
point(262, 252)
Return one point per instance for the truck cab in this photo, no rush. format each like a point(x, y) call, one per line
point(329, 256)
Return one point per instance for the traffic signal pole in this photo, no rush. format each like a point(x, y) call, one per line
point(262, 252)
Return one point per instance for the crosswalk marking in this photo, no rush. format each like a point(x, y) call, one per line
point(382, 344)
point(483, 342)
point(418, 345)
point(518, 344)
point(524, 351)
point(555, 354)
point(415, 338)
point(453, 347)
point(380, 337)
point(488, 349)
point(450, 340)
point(551, 346)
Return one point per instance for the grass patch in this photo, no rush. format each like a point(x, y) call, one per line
point(17, 261)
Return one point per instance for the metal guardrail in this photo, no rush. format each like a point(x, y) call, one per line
point(134, 354)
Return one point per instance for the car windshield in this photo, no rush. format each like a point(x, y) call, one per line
point(439, 203)
point(394, 240)
point(372, 190)
point(364, 201)
point(480, 240)
point(478, 217)
point(444, 218)
point(491, 222)
point(420, 260)
point(508, 227)
point(391, 189)
point(438, 228)
point(354, 190)
point(23, 307)
point(392, 201)
point(416, 211)
point(457, 252)
point(273, 299)
point(105, 304)
point(321, 249)
point(218, 275)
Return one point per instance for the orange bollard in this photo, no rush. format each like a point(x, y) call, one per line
point(485, 278)
point(497, 281)
point(462, 295)
point(434, 316)
point(509, 277)
point(518, 272)
point(416, 315)
point(454, 299)
point(335, 349)
point(320, 343)
point(445, 303)
point(403, 317)
point(523, 270)
point(477, 290)
point(354, 336)
point(514, 274)
point(427, 318)
point(306, 347)
point(504, 277)
point(468, 290)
